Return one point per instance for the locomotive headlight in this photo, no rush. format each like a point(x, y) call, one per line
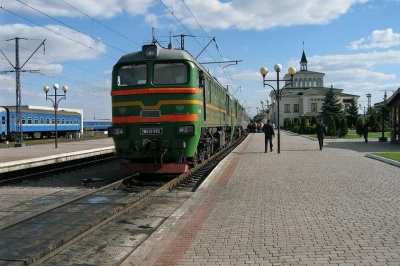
point(186, 130)
point(115, 131)
point(150, 51)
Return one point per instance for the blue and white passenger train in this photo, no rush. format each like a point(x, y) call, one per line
point(96, 125)
point(39, 122)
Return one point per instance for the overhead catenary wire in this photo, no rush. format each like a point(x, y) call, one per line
point(66, 25)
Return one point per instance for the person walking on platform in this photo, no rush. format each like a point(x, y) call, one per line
point(268, 133)
point(321, 131)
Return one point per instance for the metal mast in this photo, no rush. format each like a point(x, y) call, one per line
point(17, 70)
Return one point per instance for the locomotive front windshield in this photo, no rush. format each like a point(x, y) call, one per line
point(132, 75)
point(167, 73)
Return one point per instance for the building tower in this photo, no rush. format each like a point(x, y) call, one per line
point(303, 62)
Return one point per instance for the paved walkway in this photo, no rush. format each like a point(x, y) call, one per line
point(300, 207)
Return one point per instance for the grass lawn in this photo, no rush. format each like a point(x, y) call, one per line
point(395, 156)
point(353, 135)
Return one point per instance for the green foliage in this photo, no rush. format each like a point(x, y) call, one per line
point(296, 129)
point(372, 122)
point(287, 123)
point(314, 120)
point(331, 130)
point(343, 129)
point(313, 128)
point(331, 106)
point(303, 125)
point(352, 113)
point(378, 127)
point(337, 122)
point(359, 125)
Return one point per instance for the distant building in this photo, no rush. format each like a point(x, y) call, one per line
point(306, 96)
point(394, 104)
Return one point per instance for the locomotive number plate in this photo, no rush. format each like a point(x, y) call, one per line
point(151, 131)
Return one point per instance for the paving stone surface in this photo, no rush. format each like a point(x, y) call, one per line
point(302, 206)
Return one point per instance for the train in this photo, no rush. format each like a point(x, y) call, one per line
point(168, 112)
point(96, 125)
point(39, 122)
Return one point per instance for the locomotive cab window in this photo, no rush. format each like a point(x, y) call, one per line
point(170, 73)
point(132, 75)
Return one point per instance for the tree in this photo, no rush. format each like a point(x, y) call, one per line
point(287, 123)
point(352, 113)
point(359, 125)
point(331, 131)
point(343, 128)
point(303, 125)
point(331, 106)
point(314, 120)
point(372, 122)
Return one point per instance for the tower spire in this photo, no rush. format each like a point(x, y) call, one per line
point(303, 61)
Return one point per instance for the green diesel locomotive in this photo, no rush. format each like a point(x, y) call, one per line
point(168, 112)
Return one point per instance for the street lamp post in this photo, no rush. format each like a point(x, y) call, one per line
point(369, 104)
point(278, 92)
point(55, 102)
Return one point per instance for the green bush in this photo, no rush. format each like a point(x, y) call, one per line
point(331, 130)
point(287, 123)
point(303, 125)
point(359, 125)
point(296, 129)
point(314, 120)
point(343, 130)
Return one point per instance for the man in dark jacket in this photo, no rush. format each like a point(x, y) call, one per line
point(321, 131)
point(268, 133)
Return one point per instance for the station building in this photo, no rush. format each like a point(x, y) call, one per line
point(305, 96)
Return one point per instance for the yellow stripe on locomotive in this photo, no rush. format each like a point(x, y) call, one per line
point(168, 112)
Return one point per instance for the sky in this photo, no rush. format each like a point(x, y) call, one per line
point(356, 43)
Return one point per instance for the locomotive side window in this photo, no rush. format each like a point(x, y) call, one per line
point(132, 75)
point(170, 73)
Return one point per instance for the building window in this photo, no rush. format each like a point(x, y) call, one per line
point(42, 120)
point(314, 107)
point(36, 120)
point(296, 108)
point(287, 108)
point(29, 120)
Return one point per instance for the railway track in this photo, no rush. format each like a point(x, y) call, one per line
point(18, 176)
point(68, 224)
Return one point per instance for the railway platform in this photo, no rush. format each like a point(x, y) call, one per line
point(303, 206)
point(12, 159)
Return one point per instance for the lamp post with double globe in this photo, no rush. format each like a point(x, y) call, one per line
point(55, 102)
point(277, 91)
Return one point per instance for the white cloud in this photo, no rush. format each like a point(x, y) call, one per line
point(78, 8)
point(259, 15)
point(210, 14)
point(61, 43)
point(379, 39)
point(353, 61)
